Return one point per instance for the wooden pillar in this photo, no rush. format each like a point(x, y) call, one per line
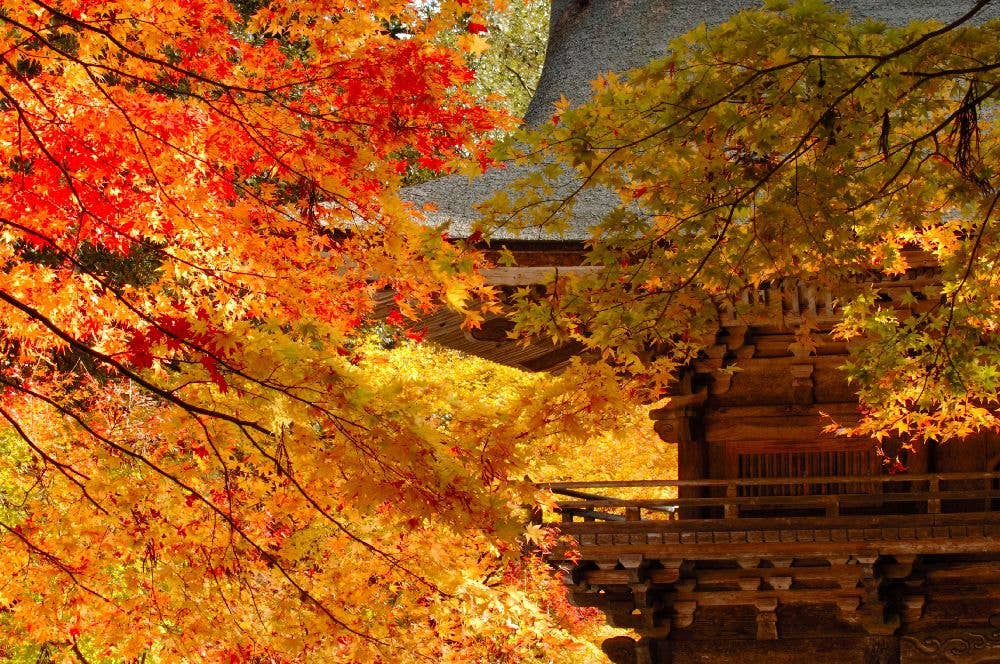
point(677, 423)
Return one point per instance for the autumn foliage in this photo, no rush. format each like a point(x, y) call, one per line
point(197, 207)
point(792, 145)
point(203, 456)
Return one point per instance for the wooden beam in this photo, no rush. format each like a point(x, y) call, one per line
point(766, 597)
point(530, 276)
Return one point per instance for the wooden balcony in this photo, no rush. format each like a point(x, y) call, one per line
point(872, 552)
point(896, 513)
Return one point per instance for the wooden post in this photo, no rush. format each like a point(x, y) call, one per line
point(731, 509)
point(535, 515)
point(833, 506)
point(673, 424)
point(934, 504)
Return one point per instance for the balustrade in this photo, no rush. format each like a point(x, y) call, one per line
point(747, 499)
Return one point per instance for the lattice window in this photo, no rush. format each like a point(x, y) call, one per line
point(811, 464)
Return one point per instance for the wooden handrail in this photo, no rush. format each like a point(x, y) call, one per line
point(771, 501)
point(779, 481)
point(590, 514)
point(596, 497)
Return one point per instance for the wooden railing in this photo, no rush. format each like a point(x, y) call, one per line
point(568, 511)
point(739, 498)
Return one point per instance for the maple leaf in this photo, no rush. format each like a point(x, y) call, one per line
point(473, 43)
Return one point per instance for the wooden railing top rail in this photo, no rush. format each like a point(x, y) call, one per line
point(781, 481)
point(781, 501)
point(578, 508)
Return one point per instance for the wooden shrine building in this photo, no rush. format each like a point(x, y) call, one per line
point(787, 543)
point(779, 542)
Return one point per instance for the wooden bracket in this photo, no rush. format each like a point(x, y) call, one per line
point(767, 620)
point(802, 384)
point(684, 613)
point(913, 607)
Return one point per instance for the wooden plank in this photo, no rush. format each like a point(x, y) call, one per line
point(833, 573)
point(783, 411)
point(776, 430)
point(527, 276)
point(663, 575)
point(744, 597)
point(607, 577)
point(967, 570)
point(980, 591)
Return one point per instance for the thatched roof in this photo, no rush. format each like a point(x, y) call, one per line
point(589, 37)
